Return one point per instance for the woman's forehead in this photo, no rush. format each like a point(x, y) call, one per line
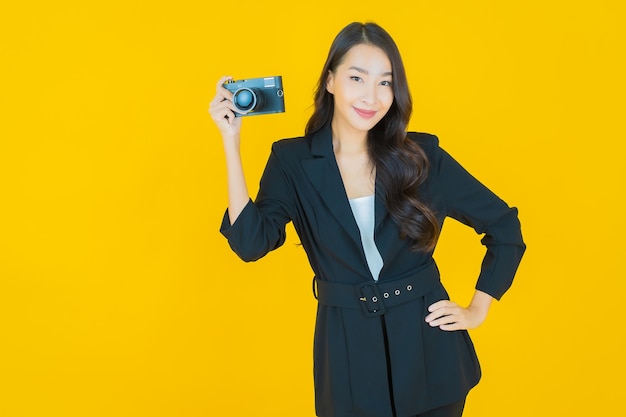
point(367, 59)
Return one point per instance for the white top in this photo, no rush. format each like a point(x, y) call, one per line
point(363, 211)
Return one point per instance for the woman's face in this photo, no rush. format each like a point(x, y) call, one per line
point(361, 86)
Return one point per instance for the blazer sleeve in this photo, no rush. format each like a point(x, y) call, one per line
point(260, 228)
point(470, 202)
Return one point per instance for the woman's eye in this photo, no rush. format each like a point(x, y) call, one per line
point(356, 78)
point(386, 83)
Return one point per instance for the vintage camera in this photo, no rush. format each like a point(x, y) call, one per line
point(257, 95)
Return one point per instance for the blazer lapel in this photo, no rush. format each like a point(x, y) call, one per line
point(380, 210)
point(324, 174)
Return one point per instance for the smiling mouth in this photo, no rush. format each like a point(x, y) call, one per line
point(367, 114)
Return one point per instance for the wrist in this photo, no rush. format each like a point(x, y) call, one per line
point(231, 143)
point(478, 311)
point(480, 303)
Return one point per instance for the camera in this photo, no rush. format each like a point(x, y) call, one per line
point(257, 95)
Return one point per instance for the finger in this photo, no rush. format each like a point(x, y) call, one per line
point(220, 113)
point(225, 94)
point(222, 92)
point(229, 116)
point(222, 96)
point(440, 308)
point(452, 327)
point(451, 322)
point(218, 105)
point(222, 80)
point(439, 304)
point(440, 312)
point(444, 318)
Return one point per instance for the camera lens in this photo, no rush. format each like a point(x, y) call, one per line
point(246, 100)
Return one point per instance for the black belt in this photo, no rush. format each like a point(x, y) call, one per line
point(375, 297)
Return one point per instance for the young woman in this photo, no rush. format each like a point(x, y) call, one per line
point(368, 200)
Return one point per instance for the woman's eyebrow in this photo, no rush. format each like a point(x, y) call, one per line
point(364, 71)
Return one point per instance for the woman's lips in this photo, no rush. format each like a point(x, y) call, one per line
point(367, 114)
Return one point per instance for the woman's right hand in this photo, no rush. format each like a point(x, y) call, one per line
point(222, 112)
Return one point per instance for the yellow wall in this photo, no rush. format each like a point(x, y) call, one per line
point(118, 296)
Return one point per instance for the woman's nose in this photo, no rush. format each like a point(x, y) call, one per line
point(369, 94)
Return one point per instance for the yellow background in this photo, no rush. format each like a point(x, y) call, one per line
point(118, 296)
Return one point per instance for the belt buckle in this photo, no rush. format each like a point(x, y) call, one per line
point(370, 300)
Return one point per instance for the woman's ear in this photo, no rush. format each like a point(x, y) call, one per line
point(330, 82)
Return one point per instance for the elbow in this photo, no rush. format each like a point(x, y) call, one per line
point(507, 230)
point(247, 253)
point(254, 249)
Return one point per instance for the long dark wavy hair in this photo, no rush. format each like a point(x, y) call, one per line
point(401, 164)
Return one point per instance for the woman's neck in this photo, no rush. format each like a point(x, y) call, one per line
point(348, 141)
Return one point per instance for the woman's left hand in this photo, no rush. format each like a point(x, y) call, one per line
point(449, 316)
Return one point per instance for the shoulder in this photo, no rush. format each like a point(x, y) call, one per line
point(295, 144)
point(289, 152)
point(428, 142)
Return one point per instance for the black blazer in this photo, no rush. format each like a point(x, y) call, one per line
point(365, 365)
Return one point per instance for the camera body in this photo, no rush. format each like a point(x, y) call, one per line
point(257, 95)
